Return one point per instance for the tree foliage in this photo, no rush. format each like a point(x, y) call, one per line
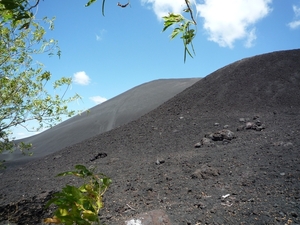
point(23, 95)
point(182, 26)
point(80, 205)
point(21, 9)
point(17, 10)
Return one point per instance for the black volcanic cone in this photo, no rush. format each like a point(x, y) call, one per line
point(113, 113)
point(177, 157)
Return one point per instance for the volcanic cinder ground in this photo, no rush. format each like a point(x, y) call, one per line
point(225, 150)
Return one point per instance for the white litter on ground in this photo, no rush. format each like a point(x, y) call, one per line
point(134, 222)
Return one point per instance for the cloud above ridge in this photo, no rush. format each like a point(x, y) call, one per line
point(224, 21)
point(163, 7)
point(229, 20)
point(97, 99)
point(296, 22)
point(81, 78)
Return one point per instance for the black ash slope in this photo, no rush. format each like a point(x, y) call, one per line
point(153, 162)
point(113, 113)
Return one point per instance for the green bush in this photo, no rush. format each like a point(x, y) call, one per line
point(79, 205)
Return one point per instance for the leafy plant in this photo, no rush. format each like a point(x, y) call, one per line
point(21, 9)
point(183, 28)
point(23, 80)
point(80, 205)
point(17, 11)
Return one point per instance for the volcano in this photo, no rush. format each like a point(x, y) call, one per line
point(223, 151)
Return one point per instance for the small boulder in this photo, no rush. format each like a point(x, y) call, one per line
point(242, 120)
point(258, 126)
point(240, 128)
point(197, 145)
point(159, 161)
point(250, 125)
point(221, 135)
point(206, 142)
point(227, 134)
point(205, 172)
point(216, 136)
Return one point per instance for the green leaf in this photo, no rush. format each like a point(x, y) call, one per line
point(183, 28)
point(68, 173)
point(90, 2)
point(89, 215)
point(63, 212)
point(9, 5)
point(171, 19)
point(80, 205)
point(106, 181)
point(167, 25)
point(25, 25)
point(80, 167)
point(175, 32)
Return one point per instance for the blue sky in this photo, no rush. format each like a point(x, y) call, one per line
point(109, 55)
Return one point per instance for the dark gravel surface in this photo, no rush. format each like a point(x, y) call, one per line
point(104, 117)
point(182, 157)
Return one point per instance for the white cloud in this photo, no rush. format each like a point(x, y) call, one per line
point(20, 132)
point(98, 99)
point(225, 21)
point(99, 37)
point(21, 135)
point(250, 39)
point(81, 78)
point(229, 20)
point(163, 7)
point(296, 23)
point(296, 10)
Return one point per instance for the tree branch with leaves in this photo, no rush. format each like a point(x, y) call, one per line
point(23, 93)
point(21, 9)
point(182, 25)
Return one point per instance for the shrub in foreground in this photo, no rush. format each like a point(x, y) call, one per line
point(79, 205)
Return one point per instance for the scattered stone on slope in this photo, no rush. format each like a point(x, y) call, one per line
point(206, 141)
point(205, 172)
point(221, 135)
point(98, 156)
point(198, 145)
point(159, 161)
point(224, 135)
point(284, 144)
point(256, 124)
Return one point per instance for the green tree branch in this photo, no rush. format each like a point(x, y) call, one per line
point(23, 95)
